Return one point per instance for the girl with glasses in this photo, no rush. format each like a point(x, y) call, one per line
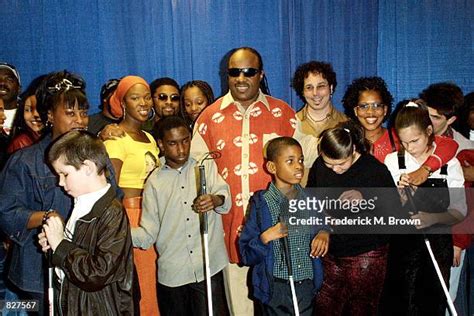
point(368, 101)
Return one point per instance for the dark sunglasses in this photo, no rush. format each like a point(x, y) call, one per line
point(248, 72)
point(164, 97)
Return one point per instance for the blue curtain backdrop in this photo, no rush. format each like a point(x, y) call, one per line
point(425, 41)
point(409, 43)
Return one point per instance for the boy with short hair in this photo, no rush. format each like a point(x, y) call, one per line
point(171, 221)
point(93, 253)
point(261, 245)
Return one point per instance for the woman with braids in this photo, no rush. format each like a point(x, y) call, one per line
point(195, 96)
point(354, 269)
point(368, 101)
point(29, 190)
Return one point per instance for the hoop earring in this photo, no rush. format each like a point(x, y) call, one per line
point(152, 114)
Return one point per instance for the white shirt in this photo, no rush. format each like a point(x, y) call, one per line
point(82, 205)
point(462, 141)
point(455, 177)
point(169, 222)
point(10, 115)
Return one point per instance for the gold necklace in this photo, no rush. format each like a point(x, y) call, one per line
point(328, 115)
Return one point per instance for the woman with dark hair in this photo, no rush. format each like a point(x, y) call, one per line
point(134, 156)
point(413, 286)
point(195, 96)
point(368, 101)
point(27, 125)
point(354, 269)
point(29, 190)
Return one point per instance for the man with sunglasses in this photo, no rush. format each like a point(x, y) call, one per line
point(165, 94)
point(239, 125)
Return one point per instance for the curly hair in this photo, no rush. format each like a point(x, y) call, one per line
point(359, 85)
point(445, 97)
point(314, 67)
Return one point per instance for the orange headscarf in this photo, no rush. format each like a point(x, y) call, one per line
point(124, 85)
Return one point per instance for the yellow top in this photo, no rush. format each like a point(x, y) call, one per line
point(139, 159)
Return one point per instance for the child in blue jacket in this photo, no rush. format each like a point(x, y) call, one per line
point(261, 243)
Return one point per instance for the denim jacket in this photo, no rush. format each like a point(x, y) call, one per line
point(255, 253)
point(27, 185)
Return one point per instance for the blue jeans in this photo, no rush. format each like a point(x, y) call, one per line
point(281, 302)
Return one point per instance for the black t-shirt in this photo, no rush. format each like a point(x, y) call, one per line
point(98, 121)
point(366, 172)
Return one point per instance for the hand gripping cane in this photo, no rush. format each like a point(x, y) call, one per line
point(49, 259)
point(50, 282)
point(202, 191)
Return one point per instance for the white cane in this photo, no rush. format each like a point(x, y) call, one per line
point(50, 282)
point(286, 248)
point(441, 280)
point(202, 180)
point(49, 262)
point(433, 259)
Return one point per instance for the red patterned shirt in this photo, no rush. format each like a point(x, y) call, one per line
point(240, 135)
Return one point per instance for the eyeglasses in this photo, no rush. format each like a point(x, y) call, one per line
point(319, 87)
point(248, 72)
point(65, 85)
point(164, 97)
point(364, 107)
